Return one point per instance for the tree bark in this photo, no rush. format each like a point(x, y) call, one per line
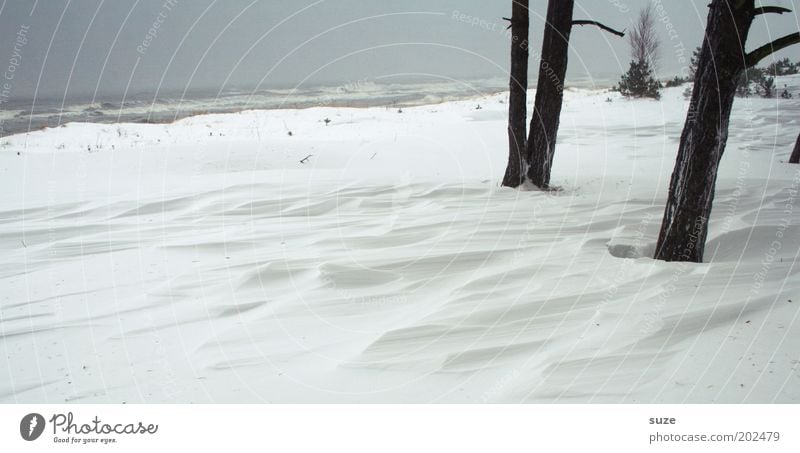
point(795, 159)
point(705, 133)
point(518, 96)
point(549, 91)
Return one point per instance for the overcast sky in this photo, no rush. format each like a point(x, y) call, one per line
point(81, 47)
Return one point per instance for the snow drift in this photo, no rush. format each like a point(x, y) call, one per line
point(375, 259)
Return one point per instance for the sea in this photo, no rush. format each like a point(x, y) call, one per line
point(25, 115)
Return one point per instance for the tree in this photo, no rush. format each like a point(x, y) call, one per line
point(640, 80)
point(782, 67)
point(540, 145)
point(518, 95)
point(549, 92)
point(722, 61)
point(645, 45)
point(795, 158)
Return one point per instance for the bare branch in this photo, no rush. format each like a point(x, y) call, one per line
point(512, 21)
point(604, 27)
point(766, 50)
point(770, 9)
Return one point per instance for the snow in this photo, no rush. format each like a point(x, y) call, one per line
point(201, 261)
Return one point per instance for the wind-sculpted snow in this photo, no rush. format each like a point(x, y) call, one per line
point(202, 261)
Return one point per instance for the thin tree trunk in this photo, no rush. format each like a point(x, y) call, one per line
point(518, 96)
point(705, 133)
point(549, 91)
point(795, 159)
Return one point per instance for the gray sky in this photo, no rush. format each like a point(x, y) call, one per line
point(82, 47)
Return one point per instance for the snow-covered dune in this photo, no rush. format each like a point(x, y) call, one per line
point(375, 259)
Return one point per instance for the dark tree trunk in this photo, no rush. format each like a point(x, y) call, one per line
point(795, 159)
point(518, 96)
point(705, 133)
point(549, 91)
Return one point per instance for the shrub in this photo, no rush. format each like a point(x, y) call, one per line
point(783, 67)
point(693, 63)
point(676, 82)
point(767, 85)
point(749, 82)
